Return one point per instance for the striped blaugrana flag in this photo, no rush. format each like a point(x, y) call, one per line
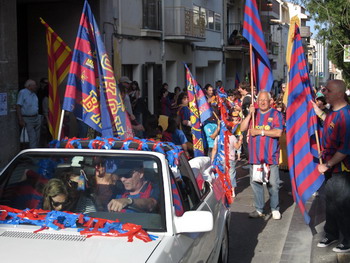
point(301, 127)
point(252, 31)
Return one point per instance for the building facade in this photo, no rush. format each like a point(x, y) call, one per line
point(147, 40)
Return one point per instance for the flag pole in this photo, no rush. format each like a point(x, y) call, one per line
point(251, 78)
point(318, 147)
point(60, 126)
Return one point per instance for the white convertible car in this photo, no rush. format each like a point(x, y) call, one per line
point(178, 214)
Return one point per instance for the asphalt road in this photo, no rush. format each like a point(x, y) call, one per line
point(267, 240)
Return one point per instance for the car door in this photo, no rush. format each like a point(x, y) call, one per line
point(198, 247)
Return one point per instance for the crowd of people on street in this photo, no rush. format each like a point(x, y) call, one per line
point(259, 123)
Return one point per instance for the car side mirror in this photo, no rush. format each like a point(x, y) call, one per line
point(194, 221)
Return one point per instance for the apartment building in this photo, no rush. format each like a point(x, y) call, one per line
point(152, 40)
point(147, 40)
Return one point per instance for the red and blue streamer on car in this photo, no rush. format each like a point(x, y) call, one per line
point(252, 31)
point(301, 127)
point(87, 226)
point(91, 92)
point(179, 210)
point(200, 112)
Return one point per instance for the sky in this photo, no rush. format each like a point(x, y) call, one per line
point(311, 24)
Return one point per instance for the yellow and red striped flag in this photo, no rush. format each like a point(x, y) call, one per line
point(59, 59)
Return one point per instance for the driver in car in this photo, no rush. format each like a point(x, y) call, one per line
point(140, 195)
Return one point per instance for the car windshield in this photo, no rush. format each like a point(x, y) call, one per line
point(124, 187)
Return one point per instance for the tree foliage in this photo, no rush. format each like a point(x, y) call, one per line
point(332, 19)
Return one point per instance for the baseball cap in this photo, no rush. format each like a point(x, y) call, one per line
point(124, 79)
point(126, 169)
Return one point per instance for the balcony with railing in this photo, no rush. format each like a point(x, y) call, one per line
point(184, 24)
point(305, 31)
point(235, 40)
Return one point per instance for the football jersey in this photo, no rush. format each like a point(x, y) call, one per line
point(336, 137)
point(265, 149)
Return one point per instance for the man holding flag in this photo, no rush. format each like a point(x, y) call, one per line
point(336, 154)
point(264, 151)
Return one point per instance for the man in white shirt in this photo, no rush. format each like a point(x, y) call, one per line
point(27, 108)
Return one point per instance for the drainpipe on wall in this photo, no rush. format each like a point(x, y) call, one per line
point(162, 57)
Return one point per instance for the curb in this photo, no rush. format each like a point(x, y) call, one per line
point(326, 255)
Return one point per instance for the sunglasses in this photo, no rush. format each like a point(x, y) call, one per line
point(56, 204)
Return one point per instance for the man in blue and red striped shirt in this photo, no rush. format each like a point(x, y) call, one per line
point(263, 146)
point(336, 166)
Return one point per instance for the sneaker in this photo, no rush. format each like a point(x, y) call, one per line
point(326, 242)
point(341, 248)
point(276, 215)
point(256, 214)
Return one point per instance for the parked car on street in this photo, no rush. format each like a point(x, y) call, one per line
point(111, 201)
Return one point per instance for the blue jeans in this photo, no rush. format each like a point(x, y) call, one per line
point(233, 173)
point(273, 186)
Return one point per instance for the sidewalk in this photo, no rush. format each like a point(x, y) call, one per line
point(323, 255)
point(288, 240)
point(266, 240)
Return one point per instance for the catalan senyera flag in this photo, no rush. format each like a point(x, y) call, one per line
point(252, 31)
point(200, 112)
point(59, 59)
point(301, 128)
point(91, 92)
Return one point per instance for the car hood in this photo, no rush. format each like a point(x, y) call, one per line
point(18, 244)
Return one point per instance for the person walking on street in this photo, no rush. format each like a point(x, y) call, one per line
point(336, 166)
point(246, 98)
point(27, 108)
point(264, 151)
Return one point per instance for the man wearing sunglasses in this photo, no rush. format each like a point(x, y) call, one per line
point(140, 194)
